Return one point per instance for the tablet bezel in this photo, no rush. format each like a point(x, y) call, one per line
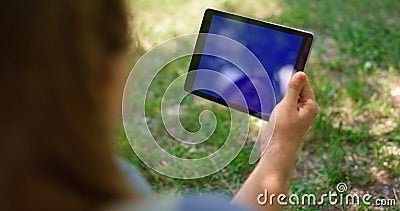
point(304, 52)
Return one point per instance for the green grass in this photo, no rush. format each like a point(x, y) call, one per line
point(355, 72)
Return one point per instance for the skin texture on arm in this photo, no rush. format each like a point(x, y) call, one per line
point(294, 115)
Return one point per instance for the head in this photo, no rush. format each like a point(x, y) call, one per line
point(61, 65)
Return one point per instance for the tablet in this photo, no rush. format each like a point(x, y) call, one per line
point(245, 64)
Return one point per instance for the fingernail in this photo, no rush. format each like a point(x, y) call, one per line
point(300, 75)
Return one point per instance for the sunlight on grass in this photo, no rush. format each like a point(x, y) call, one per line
point(354, 69)
point(160, 20)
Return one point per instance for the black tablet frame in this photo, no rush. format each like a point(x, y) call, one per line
point(304, 52)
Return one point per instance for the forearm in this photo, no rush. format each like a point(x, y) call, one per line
point(291, 119)
point(272, 174)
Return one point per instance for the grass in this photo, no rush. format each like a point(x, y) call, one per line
point(355, 72)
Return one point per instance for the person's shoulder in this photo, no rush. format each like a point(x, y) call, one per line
point(192, 202)
point(209, 202)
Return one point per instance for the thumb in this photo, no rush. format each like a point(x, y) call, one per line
point(295, 87)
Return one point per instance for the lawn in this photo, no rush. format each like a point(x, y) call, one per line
point(354, 69)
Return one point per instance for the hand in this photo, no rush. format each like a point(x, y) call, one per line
point(293, 116)
point(288, 124)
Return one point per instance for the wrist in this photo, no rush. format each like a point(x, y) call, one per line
point(284, 145)
point(279, 157)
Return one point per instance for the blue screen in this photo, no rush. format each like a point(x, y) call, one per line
point(276, 51)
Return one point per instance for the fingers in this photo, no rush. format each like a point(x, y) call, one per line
point(295, 88)
point(307, 92)
point(300, 96)
point(309, 106)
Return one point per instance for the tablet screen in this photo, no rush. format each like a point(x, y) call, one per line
point(277, 51)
